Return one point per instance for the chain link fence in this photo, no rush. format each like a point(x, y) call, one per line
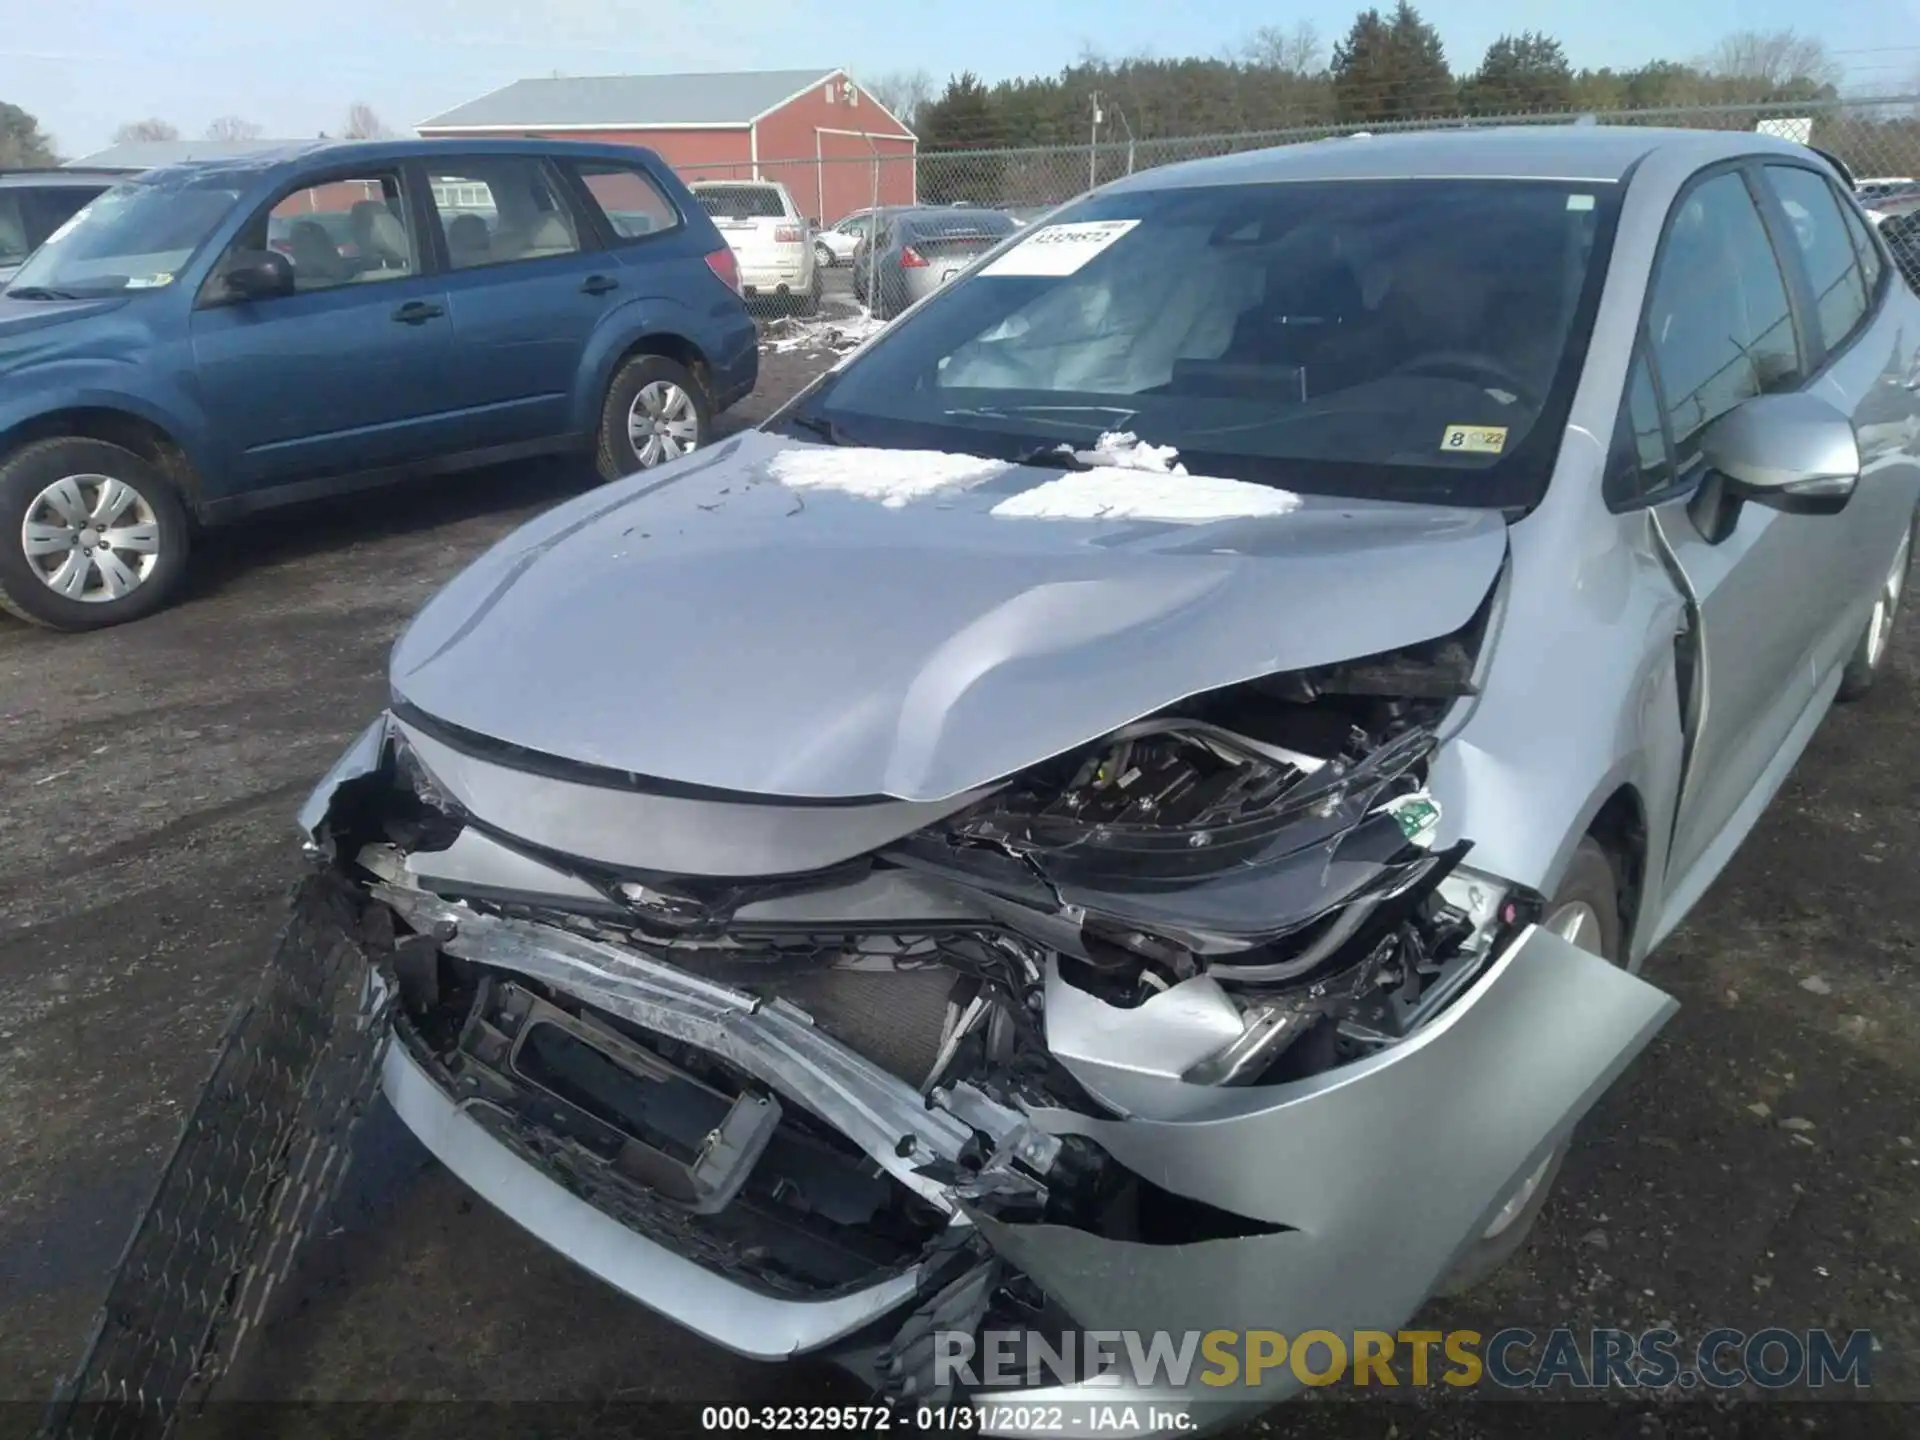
point(1876, 138)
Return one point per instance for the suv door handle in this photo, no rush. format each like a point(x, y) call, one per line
point(599, 284)
point(418, 312)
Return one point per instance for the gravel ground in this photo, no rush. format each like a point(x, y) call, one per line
point(1760, 1166)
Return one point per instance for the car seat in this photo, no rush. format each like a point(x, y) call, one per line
point(380, 235)
point(469, 242)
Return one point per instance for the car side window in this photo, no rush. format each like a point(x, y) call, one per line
point(1826, 250)
point(1639, 465)
point(630, 198)
point(498, 210)
point(1721, 329)
point(342, 232)
point(1871, 265)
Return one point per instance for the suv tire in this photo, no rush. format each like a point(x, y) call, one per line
point(91, 535)
point(655, 411)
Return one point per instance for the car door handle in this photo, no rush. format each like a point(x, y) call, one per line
point(418, 312)
point(599, 284)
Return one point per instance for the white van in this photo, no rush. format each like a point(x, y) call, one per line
point(768, 235)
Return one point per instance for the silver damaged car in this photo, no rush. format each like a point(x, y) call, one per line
point(1140, 799)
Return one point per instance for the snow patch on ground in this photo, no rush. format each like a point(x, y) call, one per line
point(788, 336)
point(893, 477)
point(1111, 493)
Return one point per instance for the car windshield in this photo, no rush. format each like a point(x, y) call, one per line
point(1411, 339)
point(740, 202)
point(135, 236)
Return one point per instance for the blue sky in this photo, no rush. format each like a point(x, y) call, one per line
point(84, 66)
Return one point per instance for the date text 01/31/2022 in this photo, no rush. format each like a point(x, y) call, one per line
point(988, 1418)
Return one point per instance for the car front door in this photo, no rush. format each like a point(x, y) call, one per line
point(1721, 327)
point(347, 372)
point(527, 282)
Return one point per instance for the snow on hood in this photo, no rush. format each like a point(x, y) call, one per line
point(893, 477)
point(1128, 481)
point(715, 624)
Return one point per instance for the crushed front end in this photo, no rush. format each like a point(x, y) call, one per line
point(1195, 1027)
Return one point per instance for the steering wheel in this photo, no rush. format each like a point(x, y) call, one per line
point(1472, 366)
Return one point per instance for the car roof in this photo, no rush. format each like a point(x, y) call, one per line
point(382, 152)
point(62, 178)
point(1596, 153)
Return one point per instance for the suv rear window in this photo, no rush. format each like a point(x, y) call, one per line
point(741, 202)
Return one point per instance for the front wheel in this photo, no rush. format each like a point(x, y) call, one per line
point(655, 411)
point(91, 535)
point(1585, 911)
point(1870, 653)
point(822, 256)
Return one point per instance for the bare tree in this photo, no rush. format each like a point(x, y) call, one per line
point(232, 127)
point(148, 129)
point(905, 92)
point(363, 124)
point(1292, 52)
point(1774, 57)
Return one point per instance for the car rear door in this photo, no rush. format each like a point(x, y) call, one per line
point(527, 283)
point(1868, 329)
point(348, 372)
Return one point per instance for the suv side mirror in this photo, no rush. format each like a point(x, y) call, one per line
point(258, 275)
point(1794, 453)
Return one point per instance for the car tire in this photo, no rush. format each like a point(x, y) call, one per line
point(822, 257)
point(1591, 881)
point(648, 391)
point(1876, 640)
point(808, 305)
point(50, 492)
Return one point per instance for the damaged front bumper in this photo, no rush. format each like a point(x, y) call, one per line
point(826, 1202)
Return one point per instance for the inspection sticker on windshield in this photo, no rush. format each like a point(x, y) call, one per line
point(1060, 249)
point(149, 282)
point(1475, 439)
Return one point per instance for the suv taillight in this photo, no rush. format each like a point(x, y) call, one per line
point(788, 234)
point(911, 259)
point(723, 264)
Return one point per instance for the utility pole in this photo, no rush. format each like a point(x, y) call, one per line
point(1093, 145)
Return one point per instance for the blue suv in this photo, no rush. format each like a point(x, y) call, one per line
point(216, 337)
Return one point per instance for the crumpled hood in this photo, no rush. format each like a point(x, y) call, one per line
point(713, 626)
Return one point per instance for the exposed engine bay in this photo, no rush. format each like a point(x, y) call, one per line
point(834, 1084)
point(1240, 891)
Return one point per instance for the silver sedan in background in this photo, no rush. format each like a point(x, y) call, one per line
point(1139, 800)
point(912, 253)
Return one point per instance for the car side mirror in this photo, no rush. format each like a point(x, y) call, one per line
point(258, 275)
point(1794, 453)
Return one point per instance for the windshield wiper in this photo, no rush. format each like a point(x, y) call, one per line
point(1056, 455)
point(818, 425)
point(38, 292)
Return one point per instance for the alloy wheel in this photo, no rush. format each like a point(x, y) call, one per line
point(91, 538)
point(662, 423)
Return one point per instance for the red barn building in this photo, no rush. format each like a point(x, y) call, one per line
point(816, 131)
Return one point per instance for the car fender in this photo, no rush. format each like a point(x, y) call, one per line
point(641, 318)
point(1580, 696)
point(124, 385)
